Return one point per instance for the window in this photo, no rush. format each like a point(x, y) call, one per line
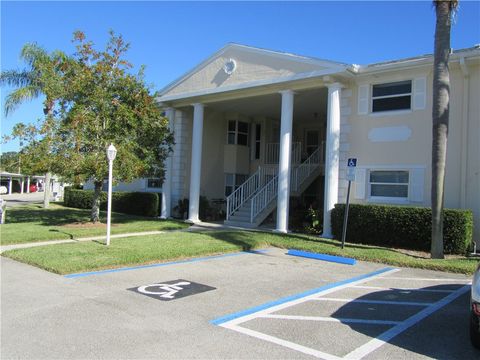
point(233, 181)
point(258, 129)
point(237, 133)
point(392, 96)
point(389, 184)
point(154, 183)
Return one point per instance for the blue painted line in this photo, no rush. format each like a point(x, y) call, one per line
point(267, 305)
point(213, 257)
point(331, 258)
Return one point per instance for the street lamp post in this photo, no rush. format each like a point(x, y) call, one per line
point(111, 153)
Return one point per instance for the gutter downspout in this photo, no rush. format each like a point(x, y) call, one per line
point(465, 126)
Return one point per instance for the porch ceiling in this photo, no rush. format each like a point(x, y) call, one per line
point(306, 104)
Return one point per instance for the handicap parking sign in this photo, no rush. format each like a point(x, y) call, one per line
point(171, 290)
point(352, 162)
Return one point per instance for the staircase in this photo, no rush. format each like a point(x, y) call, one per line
point(256, 198)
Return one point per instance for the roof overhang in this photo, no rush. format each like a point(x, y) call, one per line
point(294, 82)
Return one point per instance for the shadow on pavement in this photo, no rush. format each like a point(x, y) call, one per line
point(441, 335)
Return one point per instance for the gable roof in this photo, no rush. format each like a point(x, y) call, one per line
point(312, 63)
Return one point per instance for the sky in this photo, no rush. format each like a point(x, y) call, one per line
point(170, 38)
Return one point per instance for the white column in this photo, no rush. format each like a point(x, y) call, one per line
point(284, 162)
point(10, 184)
point(196, 165)
point(28, 185)
point(22, 184)
point(332, 156)
point(167, 184)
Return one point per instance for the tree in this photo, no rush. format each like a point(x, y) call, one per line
point(440, 116)
point(106, 104)
point(43, 75)
point(10, 162)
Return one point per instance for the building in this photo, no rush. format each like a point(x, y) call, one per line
point(260, 126)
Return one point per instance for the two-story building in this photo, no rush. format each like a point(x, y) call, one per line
point(256, 126)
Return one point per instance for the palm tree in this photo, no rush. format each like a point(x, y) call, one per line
point(440, 111)
point(41, 77)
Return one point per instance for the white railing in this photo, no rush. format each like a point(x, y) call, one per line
point(301, 173)
point(245, 191)
point(262, 187)
point(272, 153)
point(263, 197)
point(298, 175)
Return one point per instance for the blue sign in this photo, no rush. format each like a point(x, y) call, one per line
point(352, 162)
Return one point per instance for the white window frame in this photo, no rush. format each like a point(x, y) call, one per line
point(397, 111)
point(388, 199)
point(235, 184)
point(236, 132)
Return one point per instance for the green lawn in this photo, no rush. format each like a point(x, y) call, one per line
point(33, 223)
point(88, 256)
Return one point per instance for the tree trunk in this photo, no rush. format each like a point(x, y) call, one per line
point(95, 214)
point(47, 190)
point(440, 110)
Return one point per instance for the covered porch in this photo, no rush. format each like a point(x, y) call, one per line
point(257, 152)
point(254, 127)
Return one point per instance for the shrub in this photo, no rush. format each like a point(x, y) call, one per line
point(205, 211)
point(403, 226)
point(135, 203)
point(303, 218)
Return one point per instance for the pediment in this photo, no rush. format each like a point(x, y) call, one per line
point(237, 65)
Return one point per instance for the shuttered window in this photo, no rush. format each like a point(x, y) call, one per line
point(392, 96)
point(389, 184)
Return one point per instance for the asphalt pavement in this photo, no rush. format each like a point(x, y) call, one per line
point(262, 305)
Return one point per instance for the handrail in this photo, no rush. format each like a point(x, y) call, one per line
point(238, 197)
point(261, 192)
point(272, 153)
point(263, 197)
point(302, 172)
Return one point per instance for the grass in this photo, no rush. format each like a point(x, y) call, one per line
point(89, 256)
point(32, 223)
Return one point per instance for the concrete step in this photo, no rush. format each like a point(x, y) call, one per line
point(241, 224)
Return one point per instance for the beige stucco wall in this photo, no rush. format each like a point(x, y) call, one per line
point(251, 66)
point(415, 152)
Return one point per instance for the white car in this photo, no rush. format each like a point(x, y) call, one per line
point(475, 309)
point(3, 190)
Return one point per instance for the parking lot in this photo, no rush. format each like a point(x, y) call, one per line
point(263, 305)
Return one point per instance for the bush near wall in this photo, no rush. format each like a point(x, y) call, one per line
point(403, 227)
point(134, 203)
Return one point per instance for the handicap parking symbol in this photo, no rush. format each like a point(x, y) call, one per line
point(352, 162)
point(171, 290)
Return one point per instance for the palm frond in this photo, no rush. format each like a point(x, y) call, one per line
point(15, 78)
point(32, 53)
point(20, 95)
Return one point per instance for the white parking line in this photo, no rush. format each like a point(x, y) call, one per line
point(284, 343)
point(401, 289)
point(330, 319)
point(426, 279)
point(268, 310)
point(233, 322)
point(374, 344)
point(382, 302)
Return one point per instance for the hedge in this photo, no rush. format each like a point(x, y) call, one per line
point(135, 203)
point(403, 227)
